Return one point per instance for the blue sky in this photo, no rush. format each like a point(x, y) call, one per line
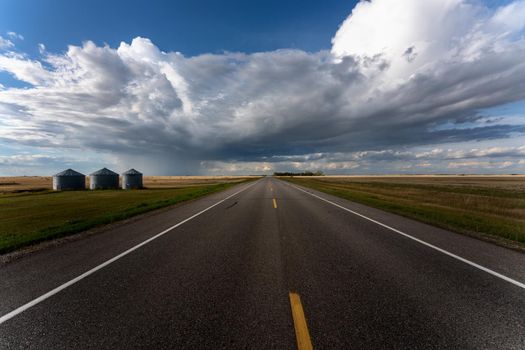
point(261, 86)
point(189, 26)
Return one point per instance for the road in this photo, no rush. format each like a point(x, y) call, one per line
point(223, 278)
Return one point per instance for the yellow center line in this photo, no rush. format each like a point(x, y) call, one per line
point(299, 323)
point(274, 203)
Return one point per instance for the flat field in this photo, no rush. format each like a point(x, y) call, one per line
point(20, 184)
point(30, 212)
point(489, 207)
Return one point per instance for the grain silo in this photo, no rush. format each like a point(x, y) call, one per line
point(103, 179)
point(69, 180)
point(131, 179)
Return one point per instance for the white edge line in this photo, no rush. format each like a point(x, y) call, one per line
point(452, 255)
point(52, 292)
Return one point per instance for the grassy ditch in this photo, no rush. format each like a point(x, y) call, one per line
point(29, 218)
point(492, 208)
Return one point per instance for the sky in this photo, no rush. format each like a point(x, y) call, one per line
point(251, 87)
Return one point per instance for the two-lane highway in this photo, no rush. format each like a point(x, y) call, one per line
point(266, 265)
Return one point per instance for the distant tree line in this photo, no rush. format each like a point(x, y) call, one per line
point(304, 173)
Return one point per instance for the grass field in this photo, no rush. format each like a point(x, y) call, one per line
point(491, 207)
point(30, 212)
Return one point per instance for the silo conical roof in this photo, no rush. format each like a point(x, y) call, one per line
point(69, 172)
point(132, 172)
point(104, 171)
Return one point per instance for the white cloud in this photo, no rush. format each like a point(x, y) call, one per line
point(24, 159)
point(24, 69)
point(430, 30)
point(511, 17)
point(414, 36)
point(397, 73)
point(15, 36)
point(474, 165)
point(469, 164)
point(5, 43)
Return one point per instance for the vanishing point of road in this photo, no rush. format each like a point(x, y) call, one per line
point(266, 265)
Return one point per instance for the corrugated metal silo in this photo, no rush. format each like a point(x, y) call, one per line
point(69, 179)
point(131, 179)
point(103, 179)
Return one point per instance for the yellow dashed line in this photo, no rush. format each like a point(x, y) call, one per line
point(299, 323)
point(274, 203)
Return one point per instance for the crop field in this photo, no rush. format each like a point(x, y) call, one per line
point(489, 207)
point(30, 212)
point(20, 184)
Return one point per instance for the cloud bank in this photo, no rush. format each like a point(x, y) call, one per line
point(401, 76)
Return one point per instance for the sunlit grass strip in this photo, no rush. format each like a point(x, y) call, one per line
point(496, 212)
point(32, 218)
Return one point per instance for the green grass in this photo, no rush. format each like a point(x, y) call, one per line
point(477, 209)
point(30, 218)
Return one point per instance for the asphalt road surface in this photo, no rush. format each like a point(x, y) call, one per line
point(222, 278)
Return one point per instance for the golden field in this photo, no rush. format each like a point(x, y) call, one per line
point(40, 183)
